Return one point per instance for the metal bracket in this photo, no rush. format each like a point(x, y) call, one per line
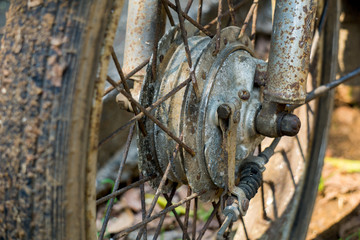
point(228, 119)
point(228, 124)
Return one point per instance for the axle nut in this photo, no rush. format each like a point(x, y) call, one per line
point(290, 125)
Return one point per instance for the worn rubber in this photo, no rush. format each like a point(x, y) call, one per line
point(49, 59)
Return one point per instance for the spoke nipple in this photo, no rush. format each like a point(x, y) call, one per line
point(290, 125)
point(224, 111)
point(244, 94)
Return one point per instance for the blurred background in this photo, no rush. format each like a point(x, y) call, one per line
point(337, 209)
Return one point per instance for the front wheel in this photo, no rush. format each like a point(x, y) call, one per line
point(50, 109)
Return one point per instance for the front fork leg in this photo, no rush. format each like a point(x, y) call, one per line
point(288, 66)
point(289, 57)
point(145, 26)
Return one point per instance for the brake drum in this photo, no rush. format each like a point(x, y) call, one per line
point(227, 77)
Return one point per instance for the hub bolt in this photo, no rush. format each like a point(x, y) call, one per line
point(244, 94)
point(290, 125)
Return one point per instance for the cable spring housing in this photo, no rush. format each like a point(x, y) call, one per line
point(250, 179)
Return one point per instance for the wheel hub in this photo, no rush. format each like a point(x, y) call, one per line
point(225, 79)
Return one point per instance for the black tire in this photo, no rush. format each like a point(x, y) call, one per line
point(328, 66)
point(49, 61)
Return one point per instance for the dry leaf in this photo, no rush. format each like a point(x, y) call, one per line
point(124, 220)
point(34, 3)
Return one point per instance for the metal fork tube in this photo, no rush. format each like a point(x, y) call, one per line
point(145, 24)
point(290, 51)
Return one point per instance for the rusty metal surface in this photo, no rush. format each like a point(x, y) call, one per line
point(290, 51)
point(144, 26)
point(228, 125)
point(148, 163)
point(284, 174)
point(199, 116)
point(234, 74)
point(261, 74)
point(148, 159)
point(169, 112)
point(273, 121)
point(225, 78)
point(231, 213)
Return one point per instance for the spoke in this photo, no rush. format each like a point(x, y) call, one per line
point(194, 219)
point(126, 87)
point(231, 11)
point(308, 122)
point(160, 188)
point(188, 6)
point(157, 122)
point(253, 27)
point(186, 235)
point(287, 162)
point(326, 88)
point(168, 13)
point(228, 231)
point(156, 42)
point(248, 17)
point(172, 207)
point(192, 21)
point(213, 213)
point(300, 148)
point(310, 109)
point(318, 31)
point(218, 218)
point(128, 76)
point(245, 230)
point(117, 182)
point(158, 229)
point(218, 29)
point(321, 90)
point(187, 49)
point(141, 114)
point(236, 7)
point(117, 131)
point(187, 212)
point(152, 118)
point(121, 74)
point(265, 217)
point(123, 190)
point(143, 205)
point(272, 187)
point(199, 12)
point(155, 199)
